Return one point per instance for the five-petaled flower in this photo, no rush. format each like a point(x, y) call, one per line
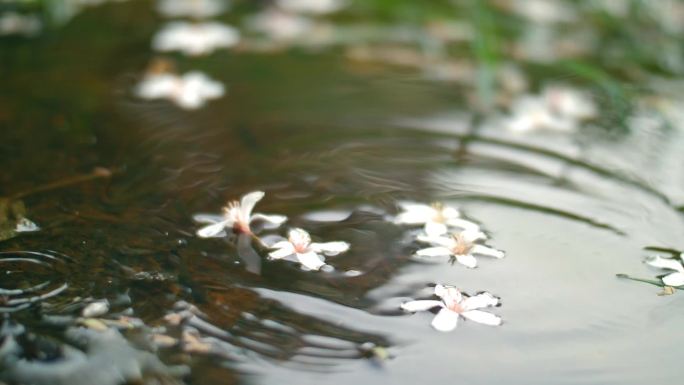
point(236, 216)
point(454, 305)
point(437, 218)
point(672, 279)
point(195, 39)
point(298, 247)
point(461, 246)
point(190, 91)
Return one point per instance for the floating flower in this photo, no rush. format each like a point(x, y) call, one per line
point(460, 246)
point(298, 247)
point(281, 25)
point(12, 23)
point(559, 108)
point(25, 225)
point(195, 39)
point(453, 305)
point(672, 279)
point(318, 7)
point(193, 8)
point(190, 91)
point(437, 218)
point(236, 216)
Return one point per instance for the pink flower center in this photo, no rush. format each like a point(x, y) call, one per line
point(461, 245)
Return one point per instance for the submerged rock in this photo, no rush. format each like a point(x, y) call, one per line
point(97, 357)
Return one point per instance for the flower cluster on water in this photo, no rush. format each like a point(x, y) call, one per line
point(443, 228)
point(298, 247)
point(451, 236)
point(189, 91)
point(195, 39)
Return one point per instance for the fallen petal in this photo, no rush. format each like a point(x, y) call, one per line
point(214, 230)
point(674, 279)
point(480, 301)
point(483, 317)
point(310, 260)
point(330, 248)
point(445, 321)
point(414, 306)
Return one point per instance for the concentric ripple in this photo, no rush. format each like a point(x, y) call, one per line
point(30, 277)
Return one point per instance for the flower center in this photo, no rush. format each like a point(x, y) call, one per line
point(232, 211)
point(439, 212)
point(461, 245)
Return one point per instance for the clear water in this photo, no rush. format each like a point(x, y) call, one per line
point(335, 143)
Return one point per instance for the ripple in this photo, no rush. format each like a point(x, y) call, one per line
point(30, 277)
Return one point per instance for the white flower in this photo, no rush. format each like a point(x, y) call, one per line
point(236, 216)
point(453, 305)
point(437, 218)
point(532, 113)
point(672, 279)
point(280, 25)
point(195, 39)
point(298, 247)
point(190, 91)
point(193, 8)
point(12, 23)
point(460, 246)
point(318, 7)
point(570, 103)
point(559, 108)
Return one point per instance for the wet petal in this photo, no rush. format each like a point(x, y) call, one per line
point(445, 321)
point(473, 235)
point(467, 260)
point(24, 225)
point(665, 263)
point(463, 224)
point(450, 213)
point(482, 317)
point(414, 306)
point(414, 213)
point(248, 201)
point(480, 301)
point(449, 294)
point(272, 219)
point(674, 279)
point(330, 248)
point(488, 251)
point(434, 252)
point(284, 249)
point(310, 260)
point(434, 229)
point(213, 230)
point(440, 241)
point(207, 218)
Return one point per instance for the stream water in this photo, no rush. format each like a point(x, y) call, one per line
point(336, 134)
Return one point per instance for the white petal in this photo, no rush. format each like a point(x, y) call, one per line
point(273, 219)
point(467, 260)
point(480, 301)
point(299, 237)
point(674, 279)
point(482, 317)
point(310, 260)
point(665, 263)
point(450, 213)
point(414, 306)
point(284, 249)
point(213, 230)
point(24, 225)
point(463, 224)
point(449, 294)
point(473, 235)
point(330, 248)
point(440, 241)
point(445, 321)
point(414, 214)
point(434, 229)
point(434, 252)
point(207, 218)
point(248, 201)
point(488, 251)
